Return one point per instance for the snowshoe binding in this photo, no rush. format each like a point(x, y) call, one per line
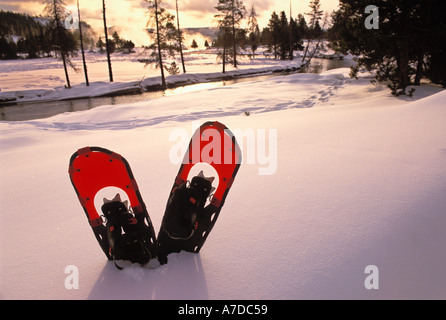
point(126, 237)
point(185, 206)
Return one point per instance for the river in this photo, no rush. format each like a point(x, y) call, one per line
point(41, 110)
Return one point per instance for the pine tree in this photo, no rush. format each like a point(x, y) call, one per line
point(173, 69)
point(100, 44)
point(128, 46)
point(223, 38)
point(254, 31)
point(284, 36)
point(315, 15)
point(8, 48)
point(274, 34)
point(407, 44)
point(117, 39)
point(302, 25)
point(252, 20)
point(46, 46)
point(231, 14)
point(120, 44)
point(62, 40)
point(165, 35)
point(296, 36)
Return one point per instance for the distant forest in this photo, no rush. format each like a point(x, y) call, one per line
point(33, 34)
point(24, 36)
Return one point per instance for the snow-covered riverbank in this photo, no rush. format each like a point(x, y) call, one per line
point(44, 80)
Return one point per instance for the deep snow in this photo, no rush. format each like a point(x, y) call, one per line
point(360, 181)
point(33, 80)
point(44, 79)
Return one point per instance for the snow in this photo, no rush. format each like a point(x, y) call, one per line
point(44, 79)
point(360, 180)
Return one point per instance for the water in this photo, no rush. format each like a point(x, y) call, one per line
point(41, 110)
point(320, 65)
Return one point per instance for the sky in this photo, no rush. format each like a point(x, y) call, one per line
point(130, 16)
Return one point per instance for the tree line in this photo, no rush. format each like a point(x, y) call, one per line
point(33, 36)
point(408, 45)
point(46, 35)
point(38, 39)
point(282, 36)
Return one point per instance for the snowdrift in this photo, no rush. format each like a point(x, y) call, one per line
point(359, 180)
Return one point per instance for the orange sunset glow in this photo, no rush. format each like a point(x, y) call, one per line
point(130, 17)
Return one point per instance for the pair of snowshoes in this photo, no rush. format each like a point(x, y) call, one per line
point(122, 225)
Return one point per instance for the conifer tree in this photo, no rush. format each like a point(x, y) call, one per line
point(100, 44)
point(274, 34)
point(231, 14)
point(315, 15)
point(165, 34)
point(405, 46)
point(62, 40)
point(8, 48)
point(253, 31)
point(284, 36)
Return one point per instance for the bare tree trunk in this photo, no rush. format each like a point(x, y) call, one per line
point(234, 34)
point(180, 40)
point(419, 72)
point(160, 56)
point(224, 56)
point(62, 53)
point(403, 68)
point(82, 45)
point(291, 32)
point(107, 47)
point(306, 51)
point(66, 70)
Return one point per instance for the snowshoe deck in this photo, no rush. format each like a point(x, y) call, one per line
point(93, 169)
point(213, 144)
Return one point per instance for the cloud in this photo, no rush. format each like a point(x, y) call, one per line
point(207, 7)
point(32, 7)
point(201, 6)
point(131, 17)
point(261, 6)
